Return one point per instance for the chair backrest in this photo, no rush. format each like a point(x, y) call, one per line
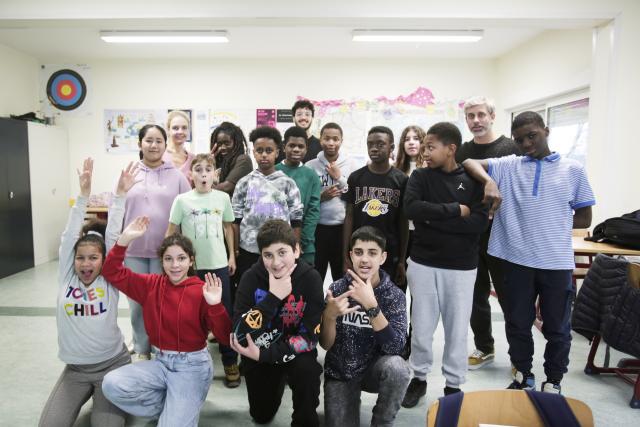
point(506, 407)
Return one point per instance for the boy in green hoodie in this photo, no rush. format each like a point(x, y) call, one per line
point(295, 149)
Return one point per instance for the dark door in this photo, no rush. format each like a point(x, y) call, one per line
point(16, 231)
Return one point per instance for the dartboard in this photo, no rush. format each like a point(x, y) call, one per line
point(66, 90)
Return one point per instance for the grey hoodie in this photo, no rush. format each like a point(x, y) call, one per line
point(332, 211)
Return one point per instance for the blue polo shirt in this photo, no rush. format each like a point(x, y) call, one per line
point(533, 225)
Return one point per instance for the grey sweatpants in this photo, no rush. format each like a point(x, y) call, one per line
point(76, 385)
point(388, 376)
point(435, 292)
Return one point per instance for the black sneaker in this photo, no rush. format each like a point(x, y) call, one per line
point(415, 391)
point(451, 390)
point(523, 381)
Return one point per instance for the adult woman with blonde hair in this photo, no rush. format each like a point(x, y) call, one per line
point(178, 130)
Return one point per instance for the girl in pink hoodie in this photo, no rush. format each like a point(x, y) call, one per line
point(178, 310)
point(158, 184)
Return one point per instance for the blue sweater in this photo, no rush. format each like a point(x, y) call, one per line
point(356, 345)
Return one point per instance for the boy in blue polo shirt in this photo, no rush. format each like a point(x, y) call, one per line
point(542, 197)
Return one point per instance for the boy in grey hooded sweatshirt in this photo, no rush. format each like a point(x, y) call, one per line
point(333, 169)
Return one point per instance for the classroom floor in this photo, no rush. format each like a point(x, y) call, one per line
point(28, 350)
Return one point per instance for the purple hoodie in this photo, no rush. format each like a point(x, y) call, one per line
point(152, 196)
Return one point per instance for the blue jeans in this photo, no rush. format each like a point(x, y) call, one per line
point(521, 287)
point(173, 387)
point(229, 357)
point(140, 337)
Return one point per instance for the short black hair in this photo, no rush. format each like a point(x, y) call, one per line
point(266, 132)
point(144, 129)
point(295, 132)
point(447, 133)
point(527, 118)
point(276, 231)
point(303, 103)
point(368, 233)
point(331, 125)
point(381, 129)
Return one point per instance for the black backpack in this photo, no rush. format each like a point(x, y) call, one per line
point(623, 230)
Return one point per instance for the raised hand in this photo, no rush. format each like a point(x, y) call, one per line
point(135, 229)
point(214, 150)
point(333, 170)
point(84, 177)
point(251, 350)
point(281, 287)
point(362, 291)
point(127, 179)
point(338, 306)
point(212, 289)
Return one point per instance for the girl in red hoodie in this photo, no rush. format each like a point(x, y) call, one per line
point(178, 310)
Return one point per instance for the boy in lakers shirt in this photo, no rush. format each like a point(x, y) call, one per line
point(375, 198)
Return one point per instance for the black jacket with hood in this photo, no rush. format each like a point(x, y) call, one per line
point(281, 329)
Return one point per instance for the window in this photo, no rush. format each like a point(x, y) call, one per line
point(568, 120)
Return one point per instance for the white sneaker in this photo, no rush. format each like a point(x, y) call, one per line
point(549, 387)
point(130, 347)
point(478, 359)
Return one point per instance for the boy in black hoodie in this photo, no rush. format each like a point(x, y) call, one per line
point(446, 206)
point(276, 325)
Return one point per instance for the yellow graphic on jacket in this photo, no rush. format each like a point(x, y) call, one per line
point(254, 319)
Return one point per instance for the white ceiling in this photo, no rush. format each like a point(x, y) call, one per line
point(57, 32)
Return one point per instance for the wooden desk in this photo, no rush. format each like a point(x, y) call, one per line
point(100, 212)
point(583, 247)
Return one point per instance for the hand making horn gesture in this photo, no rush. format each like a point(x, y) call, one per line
point(338, 306)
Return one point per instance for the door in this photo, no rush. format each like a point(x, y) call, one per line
point(16, 231)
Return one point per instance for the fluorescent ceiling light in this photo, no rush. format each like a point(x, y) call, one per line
point(164, 36)
point(437, 36)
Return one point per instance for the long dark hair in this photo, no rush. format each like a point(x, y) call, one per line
point(143, 132)
point(239, 147)
point(184, 242)
point(402, 160)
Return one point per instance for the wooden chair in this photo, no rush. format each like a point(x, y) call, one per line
point(580, 271)
point(506, 407)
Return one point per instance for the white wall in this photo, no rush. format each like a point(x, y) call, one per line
point(606, 59)
point(18, 82)
point(553, 63)
point(254, 84)
point(48, 163)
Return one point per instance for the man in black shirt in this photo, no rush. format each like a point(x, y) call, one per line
point(302, 112)
point(480, 115)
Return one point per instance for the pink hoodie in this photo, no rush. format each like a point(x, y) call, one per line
point(153, 196)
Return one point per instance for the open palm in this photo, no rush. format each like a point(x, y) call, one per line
point(127, 179)
point(84, 177)
point(212, 289)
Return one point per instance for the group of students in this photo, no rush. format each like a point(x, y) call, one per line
point(211, 244)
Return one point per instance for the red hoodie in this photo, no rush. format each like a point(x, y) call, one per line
point(176, 317)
